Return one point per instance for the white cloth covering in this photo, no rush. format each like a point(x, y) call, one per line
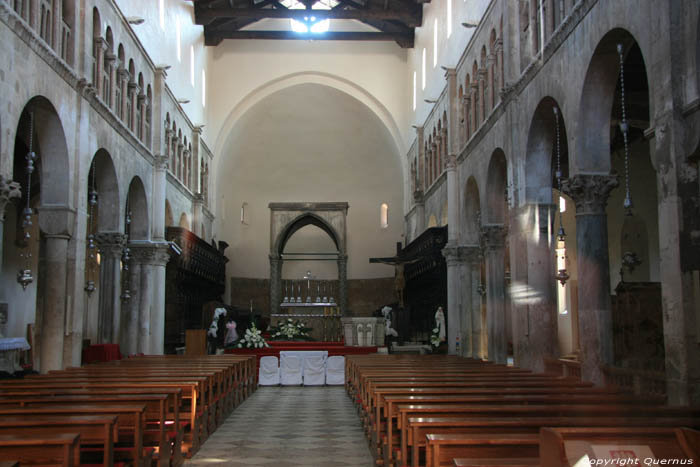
point(335, 370)
point(314, 371)
point(269, 371)
point(290, 371)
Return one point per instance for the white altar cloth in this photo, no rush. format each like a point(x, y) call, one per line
point(303, 355)
point(9, 353)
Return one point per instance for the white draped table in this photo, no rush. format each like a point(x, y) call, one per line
point(10, 347)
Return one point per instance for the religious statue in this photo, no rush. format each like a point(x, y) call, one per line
point(231, 334)
point(440, 323)
point(399, 283)
point(213, 338)
point(388, 330)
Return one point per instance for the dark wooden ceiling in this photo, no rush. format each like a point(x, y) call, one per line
point(395, 20)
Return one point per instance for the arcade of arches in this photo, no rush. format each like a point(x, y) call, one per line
point(554, 151)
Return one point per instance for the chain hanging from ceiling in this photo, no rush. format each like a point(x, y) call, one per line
point(126, 255)
point(562, 275)
point(91, 246)
point(24, 276)
point(624, 128)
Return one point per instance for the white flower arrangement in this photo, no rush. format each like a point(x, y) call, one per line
point(435, 337)
point(252, 339)
point(291, 330)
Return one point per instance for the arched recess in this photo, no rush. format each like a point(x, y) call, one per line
point(103, 178)
point(184, 221)
point(44, 300)
point(432, 221)
point(137, 205)
point(472, 213)
point(475, 321)
point(325, 79)
point(496, 259)
point(169, 220)
point(288, 218)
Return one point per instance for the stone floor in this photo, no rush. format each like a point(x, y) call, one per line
point(289, 426)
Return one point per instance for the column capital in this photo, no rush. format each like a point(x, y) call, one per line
point(111, 243)
point(450, 72)
point(418, 197)
point(493, 236)
point(150, 253)
point(8, 191)
point(161, 162)
point(461, 254)
point(161, 72)
point(481, 74)
point(197, 129)
point(451, 162)
point(590, 192)
point(56, 220)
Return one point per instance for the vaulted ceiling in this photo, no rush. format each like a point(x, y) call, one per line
point(392, 20)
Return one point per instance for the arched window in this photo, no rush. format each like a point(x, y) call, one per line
point(140, 102)
point(96, 34)
point(179, 147)
point(131, 96)
point(475, 97)
point(384, 216)
point(109, 58)
point(467, 108)
point(46, 20)
point(486, 89)
point(494, 69)
point(173, 150)
point(121, 81)
point(149, 115)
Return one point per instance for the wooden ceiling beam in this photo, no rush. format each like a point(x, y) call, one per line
point(404, 40)
point(206, 16)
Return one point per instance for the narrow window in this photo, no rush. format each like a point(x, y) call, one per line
point(204, 89)
point(177, 39)
point(414, 90)
point(435, 43)
point(423, 71)
point(192, 65)
point(449, 18)
point(244, 213)
point(161, 11)
point(384, 216)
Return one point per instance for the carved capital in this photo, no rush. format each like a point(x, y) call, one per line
point(493, 236)
point(161, 162)
point(471, 254)
point(451, 254)
point(418, 196)
point(451, 162)
point(8, 191)
point(590, 192)
point(150, 253)
point(111, 244)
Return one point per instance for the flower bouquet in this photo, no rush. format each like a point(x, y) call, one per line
point(252, 339)
point(290, 330)
point(435, 337)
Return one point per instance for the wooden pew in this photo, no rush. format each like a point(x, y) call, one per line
point(93, 429)
point(156, 407)
point(665, 443)
point(441, 449)
point(62, 449)
point(131, 420)
point(419, 427)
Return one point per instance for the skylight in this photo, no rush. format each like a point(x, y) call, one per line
point(310, 23)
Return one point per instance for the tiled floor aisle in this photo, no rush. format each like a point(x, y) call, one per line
point(289, 426)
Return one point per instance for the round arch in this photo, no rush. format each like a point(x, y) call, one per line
point(308, 77)
point(184, 221)
point(104, 176)
point(137, 204)
point(497, 185)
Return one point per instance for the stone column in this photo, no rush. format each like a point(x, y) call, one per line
point(197, 214)
point(8, 191)
point(160, 168)
point(474, 112)
point(111, 58)
point(110, 245)
point(494, 236)
point(470, 272)
point(451, 254)
point(590, 193)
point(161, 256)
point(491, 77)
point(533, 30)
point(275, 283)
point(100, 46)
point(482, 98)
point(124, 78)
point(143, 256)
point(56, 26)
point(131, 96)
point(419, 203)
point(549, 18)
point(499, 69)
point(141, 103)
point(343, 284)
point(467, 103)
point(128, 342)
point(56, 224)
point(540, 333)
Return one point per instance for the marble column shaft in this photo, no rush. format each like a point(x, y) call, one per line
point(130, 309)
point(541, 332)
point(590, 192)
point(159, 185)
point(451, 254)
point(161, 256)
point(54, 310)
point(494, 237)
point(8, 191)
point(110, 245)
point(470, 269)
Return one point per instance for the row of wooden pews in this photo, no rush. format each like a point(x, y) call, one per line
point(142, 411)
point(439, 410)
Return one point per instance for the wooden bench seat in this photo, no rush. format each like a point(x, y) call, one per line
point(441, 449)
point(61, 449)
point(515, 462)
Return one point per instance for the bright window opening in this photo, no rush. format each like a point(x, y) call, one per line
point(414, 89)
point(244, 213)
point(161, 14)
point(449, 18)
point(178, 44)
point(310, 23)
point(204, 89)
point(384, 216)
point(422, 84)
point(192, 65)
point(562, 204)
point(435, 43)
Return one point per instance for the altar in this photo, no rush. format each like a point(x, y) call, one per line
point(322, 318)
